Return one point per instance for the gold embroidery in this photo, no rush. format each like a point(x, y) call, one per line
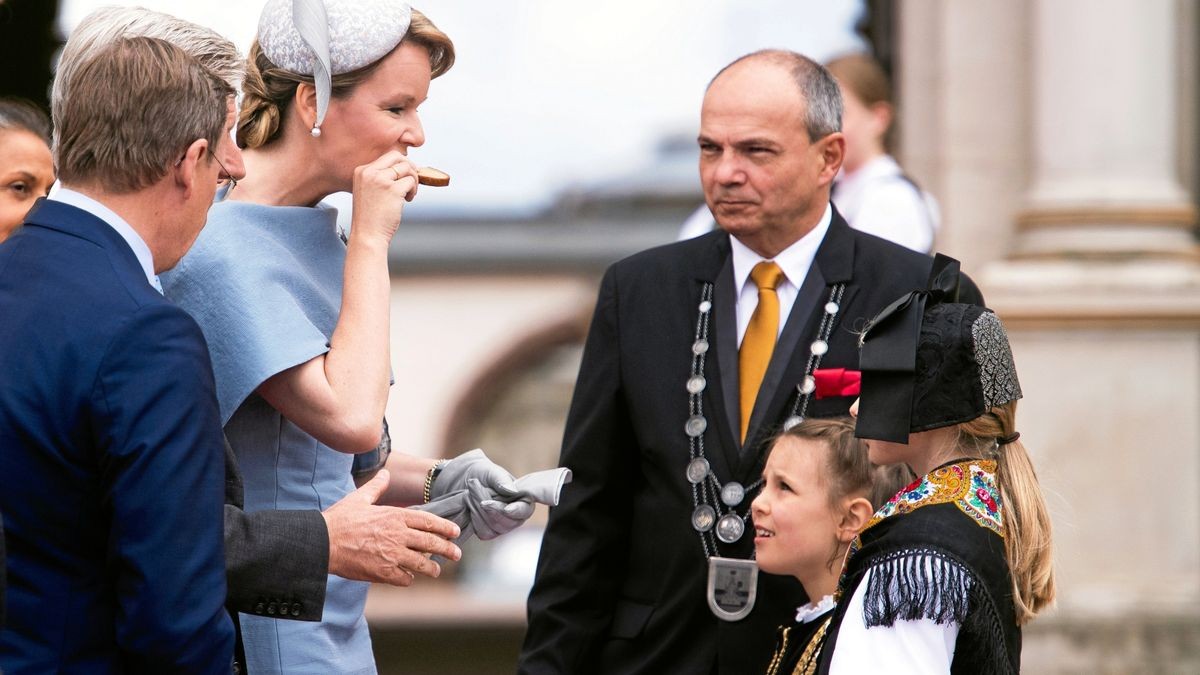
point(807, 665)
point(773, 669)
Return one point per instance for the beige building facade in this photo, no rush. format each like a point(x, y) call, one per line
point(1060, 138)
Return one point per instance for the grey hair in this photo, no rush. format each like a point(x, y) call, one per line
point(107, 24)
point(818, 88)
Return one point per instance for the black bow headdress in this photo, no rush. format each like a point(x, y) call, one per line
point(929, 361)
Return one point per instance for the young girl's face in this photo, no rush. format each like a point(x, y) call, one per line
point(924, 451)
point(795, 526)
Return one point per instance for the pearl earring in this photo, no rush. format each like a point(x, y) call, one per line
point(316, 131)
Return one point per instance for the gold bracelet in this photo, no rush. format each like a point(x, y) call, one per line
point(431, 476)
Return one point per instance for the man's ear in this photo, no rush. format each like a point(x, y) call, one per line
point(855, 515)
point(185, 172)
point(305, 102)
point(833, 151)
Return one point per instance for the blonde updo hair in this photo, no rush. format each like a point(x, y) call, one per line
point(269, 89)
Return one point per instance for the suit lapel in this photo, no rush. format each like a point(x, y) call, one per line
point(725, 319)
point(719, 370)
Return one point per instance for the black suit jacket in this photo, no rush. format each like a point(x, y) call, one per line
point(620, 584)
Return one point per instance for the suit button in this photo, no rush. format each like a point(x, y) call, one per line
point(295, 609)
point(283, 608)
point(271, 609)
point(260, 608)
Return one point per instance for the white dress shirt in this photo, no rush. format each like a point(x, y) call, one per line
point(793, 260)
point(878, 200)
point(131, 237)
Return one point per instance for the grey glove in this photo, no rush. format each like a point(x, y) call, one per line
point(476, 512)
point(474, 464)
point(480, 511)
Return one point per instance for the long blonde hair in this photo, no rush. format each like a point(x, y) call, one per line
point(1027, 531)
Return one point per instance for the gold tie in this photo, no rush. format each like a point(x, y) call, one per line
point(759, 341)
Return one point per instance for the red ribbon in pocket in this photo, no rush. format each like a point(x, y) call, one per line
point(834, 382)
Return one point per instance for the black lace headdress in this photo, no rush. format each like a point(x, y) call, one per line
point(928, 361)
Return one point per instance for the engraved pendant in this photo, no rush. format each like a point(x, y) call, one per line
point(703, 518)
point(733, 493)
point(697, 469)
point(732, 587)
point(730, 528)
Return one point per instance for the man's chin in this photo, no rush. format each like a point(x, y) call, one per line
point(738, 227)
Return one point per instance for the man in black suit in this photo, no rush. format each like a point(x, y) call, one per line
point(678, 396)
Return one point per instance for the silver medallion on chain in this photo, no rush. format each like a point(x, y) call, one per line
point(733, 493)
point(732, 583)
point(703, 518)
point(730, 528)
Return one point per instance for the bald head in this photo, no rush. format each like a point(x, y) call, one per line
point(820, 98)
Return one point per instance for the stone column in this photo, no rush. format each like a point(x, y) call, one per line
point(1105, 139)
point(1101, 294)
point(1055, 133)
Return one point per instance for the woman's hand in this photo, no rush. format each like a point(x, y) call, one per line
point(380, 190)
point(339, 397)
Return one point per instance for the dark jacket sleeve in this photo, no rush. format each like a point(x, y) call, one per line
point(276, 562)
point(158, 436)
point(584, 551)
point(3, 573)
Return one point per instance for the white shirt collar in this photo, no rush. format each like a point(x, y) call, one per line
point(123, 228)
point(793, 260)
point(806, 613)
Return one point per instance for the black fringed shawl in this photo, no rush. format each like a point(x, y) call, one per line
point(935, 551)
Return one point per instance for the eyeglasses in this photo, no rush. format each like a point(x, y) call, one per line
point(228, 176)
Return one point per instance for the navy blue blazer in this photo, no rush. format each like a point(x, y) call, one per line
point(112, 485)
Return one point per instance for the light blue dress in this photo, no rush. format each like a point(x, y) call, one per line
point(265, 285)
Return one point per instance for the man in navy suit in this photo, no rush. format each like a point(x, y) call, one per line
point(112, 485)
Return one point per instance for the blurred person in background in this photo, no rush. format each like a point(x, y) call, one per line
point(873, 193)
point(26, 167)
point(297, 314)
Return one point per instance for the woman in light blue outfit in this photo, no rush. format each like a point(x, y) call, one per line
point(297, 316)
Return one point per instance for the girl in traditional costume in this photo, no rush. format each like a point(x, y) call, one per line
point(819, 490)
point(945, 574)
point(297, 314)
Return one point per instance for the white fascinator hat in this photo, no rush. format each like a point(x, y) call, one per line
point(323, 38)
